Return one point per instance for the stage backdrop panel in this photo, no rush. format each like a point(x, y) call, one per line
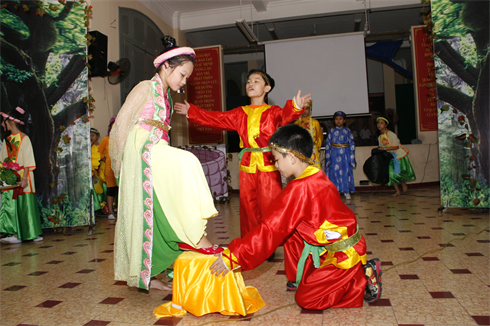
point(44, 72)
point(332, 68)
point(463, 71)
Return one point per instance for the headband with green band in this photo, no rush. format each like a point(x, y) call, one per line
point(382, 118)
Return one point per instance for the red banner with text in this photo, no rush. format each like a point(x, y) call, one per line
point(424, 80)
point(205, 89)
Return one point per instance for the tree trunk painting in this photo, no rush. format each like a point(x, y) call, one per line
point(43, 71)
point(461, 54)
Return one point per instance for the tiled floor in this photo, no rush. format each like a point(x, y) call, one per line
point(67, 279)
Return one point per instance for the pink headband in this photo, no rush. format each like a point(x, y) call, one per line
point(173, 53)
point(6, 116)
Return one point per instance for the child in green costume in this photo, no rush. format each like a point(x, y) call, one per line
point(19, 213)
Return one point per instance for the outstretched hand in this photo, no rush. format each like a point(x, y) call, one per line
point(301, 101)
point(182, 108)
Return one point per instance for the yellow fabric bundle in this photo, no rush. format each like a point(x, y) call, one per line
point(199, 292)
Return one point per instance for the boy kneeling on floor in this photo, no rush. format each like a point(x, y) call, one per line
point(325, 253)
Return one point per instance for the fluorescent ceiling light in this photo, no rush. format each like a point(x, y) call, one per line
point(245, 29)
point(357, 25)
point(273, 33)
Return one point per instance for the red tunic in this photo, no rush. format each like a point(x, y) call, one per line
point(250, 123)
point(260, 182)
point(307, 210)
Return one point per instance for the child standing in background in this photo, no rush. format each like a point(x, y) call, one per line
point(400, 169)
point(19, 213)
point(107, 172)
point(97, 190)
point(260, 182)
point(313, 126)
point(340, 156)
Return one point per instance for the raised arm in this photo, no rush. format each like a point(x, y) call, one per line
point(301, 100)
point(228, 120)
point(293, 108)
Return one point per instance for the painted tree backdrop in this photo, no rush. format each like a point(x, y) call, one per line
point(43, 70)
point(461, 42)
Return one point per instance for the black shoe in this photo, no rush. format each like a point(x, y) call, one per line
point(291, 286)
point(373, 273)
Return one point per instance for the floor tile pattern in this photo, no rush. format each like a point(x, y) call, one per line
point(436, 271)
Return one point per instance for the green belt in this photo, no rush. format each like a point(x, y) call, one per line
point(254, 150)
point(337, 246)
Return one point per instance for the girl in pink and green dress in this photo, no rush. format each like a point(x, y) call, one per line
point(164, 199)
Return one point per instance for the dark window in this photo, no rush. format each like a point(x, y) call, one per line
point(140, 42)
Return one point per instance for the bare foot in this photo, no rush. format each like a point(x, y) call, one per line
point(396, 194)
point(159, 285)
point(404, 187)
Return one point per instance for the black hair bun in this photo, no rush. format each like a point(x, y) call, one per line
point(168, 42)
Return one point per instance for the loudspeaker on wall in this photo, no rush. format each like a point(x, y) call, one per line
point(98, 50)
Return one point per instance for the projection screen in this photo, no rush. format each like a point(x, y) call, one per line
point(332, 68)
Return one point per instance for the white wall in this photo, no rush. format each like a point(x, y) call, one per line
point(424, 159)
point(389, 86)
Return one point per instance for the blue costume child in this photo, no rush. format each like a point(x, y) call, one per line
point(340, 156)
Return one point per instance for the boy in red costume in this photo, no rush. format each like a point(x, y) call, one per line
point(260, 182)
point(310, 218)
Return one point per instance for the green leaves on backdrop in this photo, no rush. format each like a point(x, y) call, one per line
point(43, 70)
point(461, 38)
